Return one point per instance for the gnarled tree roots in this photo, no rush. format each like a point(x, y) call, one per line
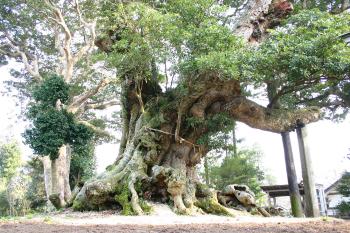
point(143, 173)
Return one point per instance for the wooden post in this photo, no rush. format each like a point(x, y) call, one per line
point(310, 198)
point(294, 194)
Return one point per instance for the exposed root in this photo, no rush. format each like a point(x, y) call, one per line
point(140, 173)
point(134, 197)
point(208, 202)
point(263, 212)
point(212, 206)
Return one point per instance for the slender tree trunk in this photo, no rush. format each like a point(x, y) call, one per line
point(234, 140)
point(67, 189)
point(47, 175)
point(206, 171)
point(61, 193)
point(124, 117)
point(226, 147)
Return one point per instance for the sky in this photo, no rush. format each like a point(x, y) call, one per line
point(328, 142)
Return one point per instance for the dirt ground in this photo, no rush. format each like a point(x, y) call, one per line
point(317, 227)
point(165, 221)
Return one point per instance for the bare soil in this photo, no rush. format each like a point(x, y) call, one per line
point(317, 227)
point(164, 220)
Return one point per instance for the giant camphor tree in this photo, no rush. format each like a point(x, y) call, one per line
point(188, 68)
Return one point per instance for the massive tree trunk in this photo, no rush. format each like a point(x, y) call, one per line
point(161, 153)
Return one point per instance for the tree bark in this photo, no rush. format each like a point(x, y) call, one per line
point(61, 192)
point(158, 162)
point(47, 175)
point(206, 171)
point(310, 197)
point(294, 193)
point(234, 140)
point(67, 189)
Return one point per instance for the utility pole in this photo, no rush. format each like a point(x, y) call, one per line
point(294, 193)
point(310, 198)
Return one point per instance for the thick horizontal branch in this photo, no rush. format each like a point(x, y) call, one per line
point(273, 120)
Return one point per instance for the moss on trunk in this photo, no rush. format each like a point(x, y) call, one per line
point(162, 150)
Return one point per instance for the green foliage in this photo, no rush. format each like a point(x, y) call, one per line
point(10, 160)
point(13, 182)
point(122, 197)
point(147, 209)
point(240, 169)
point(83, 164)
point(35, 190)
point(188, 34)
point(53, 127)
point(344, 189)
point(50, 90)
point(306, 59)
point(4, 204)
point(344, 185)
point(344, 208)
point(16, 191)
point(324, 5)
point(218, 126)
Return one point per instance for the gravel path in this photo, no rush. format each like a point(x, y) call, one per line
point(164, 220)
point(315, 227)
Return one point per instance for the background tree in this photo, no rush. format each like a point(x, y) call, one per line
point(244, 168)
point(83, 166)
point(56, 37)
point(53, 127)
point(35, 189)
point(344, 190)
point(12, 181)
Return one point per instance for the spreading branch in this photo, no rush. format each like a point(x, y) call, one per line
point(65, 48)
point(78, 101)
point(59, 20)
point(273, 120)
point(90, 26)
point(15, 49)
